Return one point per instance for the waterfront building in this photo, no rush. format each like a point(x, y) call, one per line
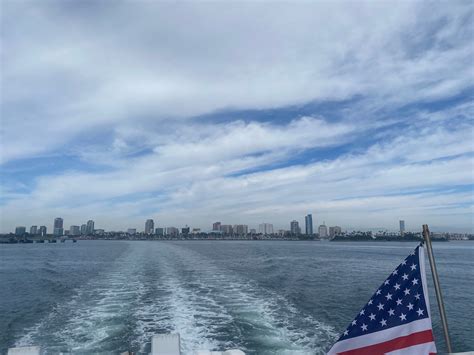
point(132, 231)
point(241, 229)
point(74, 230)
point(149, 226)
point(83, 229)
point(172, 231)
point(98, 231)
point(253, 231)
point(334, 231)
point(42, 231)
point(308, 222)
point(34, 230)
point(185, 230)
point(20, 230)
point(216, 226)
point(323, 231)
point(226, 229)
point(196, 230)
point(160, 231)
point(58, 226)
point(265, 228)
point(402, 228)
point(90, 227)
point(295, 227)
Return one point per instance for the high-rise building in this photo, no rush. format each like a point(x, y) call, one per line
point(42, 231)
point(216, 226)
point(241, 229)
point(132, 231)
point(83, 229)
point(20, 230)
point(90, 227)
point(34, 230)
point(265, 228)
point(295, 227)
point(323, 231)
point(58, 226)
point(402, 228)
point(149, 226)
point(172, 231)
point(160, 231)
point(308, 222)
point(74, 230)
point(226, 229)
point(185, 230)
point(334, 231)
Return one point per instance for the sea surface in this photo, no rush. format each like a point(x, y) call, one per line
point(263, 297)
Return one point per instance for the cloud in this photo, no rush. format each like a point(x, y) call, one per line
point(120, 91)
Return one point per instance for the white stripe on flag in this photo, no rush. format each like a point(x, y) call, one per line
point(381, 336)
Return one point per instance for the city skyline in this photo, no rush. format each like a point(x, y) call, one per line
point(361, 111)
point(150, 227)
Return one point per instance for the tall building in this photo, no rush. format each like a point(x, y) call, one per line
point(20, 230)
point(216, 226)
point(90, 227)
point(74, 230)
point(185, 230)
point(149, 226)
point(402, 228)
point(323, 231)
point(172, 231)
point(295, 227)
point(265, 228)
point(308, 222)
point(83, 229)
point(34, 230)
point(42, 231)
point(241, 229)
point(58, 226)
point(160, 231)
point(334, 231)
point(226, 229)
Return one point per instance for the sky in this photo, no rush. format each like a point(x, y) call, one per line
point(189, 113)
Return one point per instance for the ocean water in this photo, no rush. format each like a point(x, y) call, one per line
point(262, 297)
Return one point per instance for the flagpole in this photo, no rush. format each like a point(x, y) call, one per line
point(439, 296)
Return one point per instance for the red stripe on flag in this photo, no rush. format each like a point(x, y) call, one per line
point(394, 344)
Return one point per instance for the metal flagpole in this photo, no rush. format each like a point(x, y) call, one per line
point(439, 296)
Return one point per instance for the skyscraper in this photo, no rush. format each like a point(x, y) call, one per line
point(295, 227)
point(34, 230)
point(90, 227)
point(74, 230)
point(241, 229)
point(149, 226)
point(323, 231)
point(402, 228)
point(265, 228)
point(216, 226)
point(308, 221)
point(226, 229)
point(58, 227)
point(42, 231)
point(83, 229)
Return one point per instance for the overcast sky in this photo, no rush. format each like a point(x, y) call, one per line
point(189, 113)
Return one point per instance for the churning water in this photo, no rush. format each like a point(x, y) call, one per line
point(261, 297)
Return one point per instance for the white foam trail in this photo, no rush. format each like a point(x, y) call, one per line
point(206, 305)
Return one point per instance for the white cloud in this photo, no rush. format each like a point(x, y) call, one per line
point(119, 85)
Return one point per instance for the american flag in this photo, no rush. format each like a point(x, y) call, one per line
point(396, 320)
